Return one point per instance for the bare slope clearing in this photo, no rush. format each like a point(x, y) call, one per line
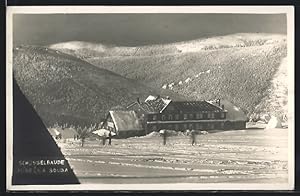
point(275, 102)
point(65, 89)
point(236, 67)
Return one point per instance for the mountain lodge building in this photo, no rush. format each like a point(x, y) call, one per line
point(157, 113)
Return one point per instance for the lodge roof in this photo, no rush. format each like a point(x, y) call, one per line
point(157, 104)
point(196, 106)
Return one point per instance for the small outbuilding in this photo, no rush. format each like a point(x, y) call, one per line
point(124, 124)
point(236, 118)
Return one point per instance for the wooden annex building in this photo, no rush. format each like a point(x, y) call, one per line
point(124, 123)
point(156, 113)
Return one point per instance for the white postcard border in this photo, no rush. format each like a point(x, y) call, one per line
point(288, 10)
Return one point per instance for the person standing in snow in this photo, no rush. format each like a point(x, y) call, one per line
point(109, 138)
point(164, 136)
point(193, 137)
point(103, 140)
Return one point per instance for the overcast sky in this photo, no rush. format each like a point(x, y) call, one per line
point(138, 29)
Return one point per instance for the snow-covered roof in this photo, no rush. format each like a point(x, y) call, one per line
point(155, 103)
point(126, 120)
point(196, 106)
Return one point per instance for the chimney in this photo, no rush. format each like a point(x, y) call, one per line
point(219, 102)
point(138, 100)
point(222, 106)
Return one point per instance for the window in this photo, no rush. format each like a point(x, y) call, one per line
point(210, 125)
point(154, 117)
point(208, 115)
point(191, 116)
point(170, 117)
point(212, 115)
point(221, 125)
point(185, 116)
point(222, 115)
point(163, 117)
point(176, 116)
point(200, 126)
point(185, 126)
point(170, 126)
point(191, 126)
point(154, 127)
point(176, 127)
point(199, 116)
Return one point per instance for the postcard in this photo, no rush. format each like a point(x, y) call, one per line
point(150, 98)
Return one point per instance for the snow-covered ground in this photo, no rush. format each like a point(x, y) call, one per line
point(243, 156)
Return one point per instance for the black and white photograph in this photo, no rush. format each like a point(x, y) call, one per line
point(150, 98)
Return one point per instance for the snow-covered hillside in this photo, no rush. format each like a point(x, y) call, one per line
point(239, 68)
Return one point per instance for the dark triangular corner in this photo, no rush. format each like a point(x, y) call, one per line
point(32, 142)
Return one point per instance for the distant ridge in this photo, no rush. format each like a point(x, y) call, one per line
point(88, 50)
point(239, 67)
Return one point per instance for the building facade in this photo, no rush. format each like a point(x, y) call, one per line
point(157, 113)
point(163, 113)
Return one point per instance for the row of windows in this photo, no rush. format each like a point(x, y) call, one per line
point(187, 116)
point(198, 126)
